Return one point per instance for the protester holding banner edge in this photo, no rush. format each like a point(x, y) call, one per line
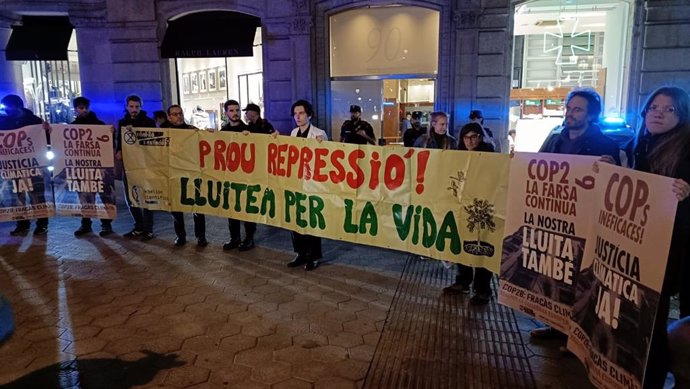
point(581, 135)
point(471, 138)
point(17, 117)
point(662, 146)
point(84, 115)
point(307, 247)
point(135, 117)
point(176, 120)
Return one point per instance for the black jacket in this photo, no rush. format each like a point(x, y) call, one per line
point(592, 142)
point(89, 119)
point(238, 128)
point(26, 118)
point(141, 120)
point(678, 256)
point(262, 126)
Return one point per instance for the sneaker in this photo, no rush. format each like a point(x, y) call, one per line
point(179, 241)
point(456, 288)
point(83, 230)
point(233, 244)
point(547, 333)
point(480, 299)
point(246, 244)
point(40, 231)
point(19, 231)
point(202, 242)
point(105, 231)
point(134, 234)
point(146, 236)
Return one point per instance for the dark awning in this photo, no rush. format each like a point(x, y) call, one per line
point(210, 34)
point(40, 38)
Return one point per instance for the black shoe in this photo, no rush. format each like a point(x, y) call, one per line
point(41, 231)
point(480, 299)
point(134, 234)
point(202, 242)
point(105, 231)
point(456, 288)
point(311, 265)
point(19, 231)
point(547, 333)
point(179, 241)
point(233, 244)
point(298, 261)
point(247, 244)
point(146, 236)
point(83, 230)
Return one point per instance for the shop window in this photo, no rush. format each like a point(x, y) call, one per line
point(384, 59)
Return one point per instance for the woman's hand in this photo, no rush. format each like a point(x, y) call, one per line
point(681, 189)
point(319, 138)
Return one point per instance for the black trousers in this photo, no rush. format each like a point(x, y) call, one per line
point(307, 245)
point(199, 225)
point(86, 221)
point(481, 277)
point(235, 233)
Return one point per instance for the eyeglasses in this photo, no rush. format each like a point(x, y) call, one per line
point(471, 137)
point(659, 109)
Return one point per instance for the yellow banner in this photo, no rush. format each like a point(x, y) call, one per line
point(442, 204)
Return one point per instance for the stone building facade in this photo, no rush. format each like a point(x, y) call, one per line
point(119, 51)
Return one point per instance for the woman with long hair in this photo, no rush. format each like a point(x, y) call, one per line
point(472, 139)
point(662, 147)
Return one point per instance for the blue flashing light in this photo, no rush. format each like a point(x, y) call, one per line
point(611, 120)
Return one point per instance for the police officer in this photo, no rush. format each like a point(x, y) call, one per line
point(356, 130)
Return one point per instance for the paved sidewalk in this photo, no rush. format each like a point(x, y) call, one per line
point(98, 312)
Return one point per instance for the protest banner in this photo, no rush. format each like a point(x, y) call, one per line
point(84, 180)
point(549, 214)
point(443, 204)
point(618, 289)
point(25, 190)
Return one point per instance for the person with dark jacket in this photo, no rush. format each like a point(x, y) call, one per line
point(16, 116)
point(437, 137)
point(472, 139)
point(415, 131)
point(356, 130)
point(257, 124)
point(82, 106)
point(135, 117)
point(580, 136)
point(662, 147)
point(176, 120)
point(235, 124)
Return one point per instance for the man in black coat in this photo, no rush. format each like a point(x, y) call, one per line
point(176, 120)
point(135, 117)
point(235, 124)
point(356, 130)
point(17, 117)
point(82, 106)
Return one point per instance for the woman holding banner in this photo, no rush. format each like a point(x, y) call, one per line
point(472, 139)
point(662, 147)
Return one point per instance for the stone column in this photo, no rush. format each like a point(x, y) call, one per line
point(484, 52)
point(10, 71)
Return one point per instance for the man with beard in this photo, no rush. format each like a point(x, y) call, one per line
point(135, 117)
point(356, 130)
point(580, 136)
point(232, 111)
point(176, 120)
point(82, 106)
point(16, 116)
point(410, 136)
